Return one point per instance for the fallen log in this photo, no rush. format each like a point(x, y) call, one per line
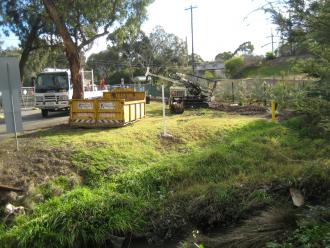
point(9, 188)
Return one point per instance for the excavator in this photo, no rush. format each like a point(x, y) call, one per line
point(187, 91)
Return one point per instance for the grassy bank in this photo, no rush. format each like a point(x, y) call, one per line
point(273, 68)
point(216, 170)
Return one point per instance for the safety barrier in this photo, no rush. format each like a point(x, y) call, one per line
point(109, 111)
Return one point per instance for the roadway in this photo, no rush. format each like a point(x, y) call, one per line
point(32, 120)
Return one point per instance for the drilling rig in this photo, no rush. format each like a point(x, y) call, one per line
point(187, 91)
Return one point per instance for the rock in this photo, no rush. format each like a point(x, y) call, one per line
point(10, 209)
point(297, 197)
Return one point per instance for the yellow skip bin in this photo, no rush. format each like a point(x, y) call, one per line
point(110, 111)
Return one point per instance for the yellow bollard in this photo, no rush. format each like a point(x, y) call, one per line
point(273, 111)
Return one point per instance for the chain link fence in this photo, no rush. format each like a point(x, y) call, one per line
point(260, 91)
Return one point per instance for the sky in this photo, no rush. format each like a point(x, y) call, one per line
point(219, 25)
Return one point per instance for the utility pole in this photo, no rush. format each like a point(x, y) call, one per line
point(187, 52)
point(192, 37)
point(272, 41)
point(272, 36)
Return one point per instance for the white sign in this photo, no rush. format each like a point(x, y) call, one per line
point(107, 105)
point(25, 92)
point(85, 105)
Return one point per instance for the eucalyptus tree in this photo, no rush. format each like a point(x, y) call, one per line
point(25, 19)
point(161, 51)
point(80, 22)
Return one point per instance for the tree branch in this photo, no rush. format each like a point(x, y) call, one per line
point(106, 27)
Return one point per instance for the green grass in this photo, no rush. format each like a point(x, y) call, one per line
point(218, 169)
point(268, 69)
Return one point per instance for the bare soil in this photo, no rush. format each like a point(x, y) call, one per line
point(243, 110)
point(33, 164)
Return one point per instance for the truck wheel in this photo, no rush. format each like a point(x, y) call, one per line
point(44, 112)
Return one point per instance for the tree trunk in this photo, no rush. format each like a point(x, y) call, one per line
point(28, 46)
point(76, 79)
point(71, 50)
point(22, 63)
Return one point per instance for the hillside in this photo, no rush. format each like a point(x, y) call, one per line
point(219, 172)
point(276, 68)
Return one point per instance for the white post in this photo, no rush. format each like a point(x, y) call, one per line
point(164, 115)
point(12, 108)
point(83, 79)
point(93, 79)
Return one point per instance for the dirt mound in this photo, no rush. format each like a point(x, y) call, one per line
point(34, 164)
point(243, 110)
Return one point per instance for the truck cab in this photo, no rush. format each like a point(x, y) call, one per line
point(53, 91)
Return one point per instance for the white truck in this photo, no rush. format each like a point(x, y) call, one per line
point(53, 90)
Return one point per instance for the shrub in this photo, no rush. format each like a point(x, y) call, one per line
point(270, 56)
point(233, 66)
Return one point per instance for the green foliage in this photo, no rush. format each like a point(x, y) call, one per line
point(270, 56)
point(99, 15)
point(108, 65)
point(25, 20)
point(245, 48)
point(197, 58)
point(305, 27)
point(285, 94)
point(168, 50)
point(224, 56)
point(81, 218)
point(56, 187)
point(233, 66)
point(314, 105)
point(133, 51)
point(313, 231)
point(209, 75)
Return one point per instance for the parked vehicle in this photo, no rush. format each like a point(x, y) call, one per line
point(53, 90)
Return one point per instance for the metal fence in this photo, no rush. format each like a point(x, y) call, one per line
point(27, 98)
point(243, 91)
point(257, 90)
point(229, 91)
